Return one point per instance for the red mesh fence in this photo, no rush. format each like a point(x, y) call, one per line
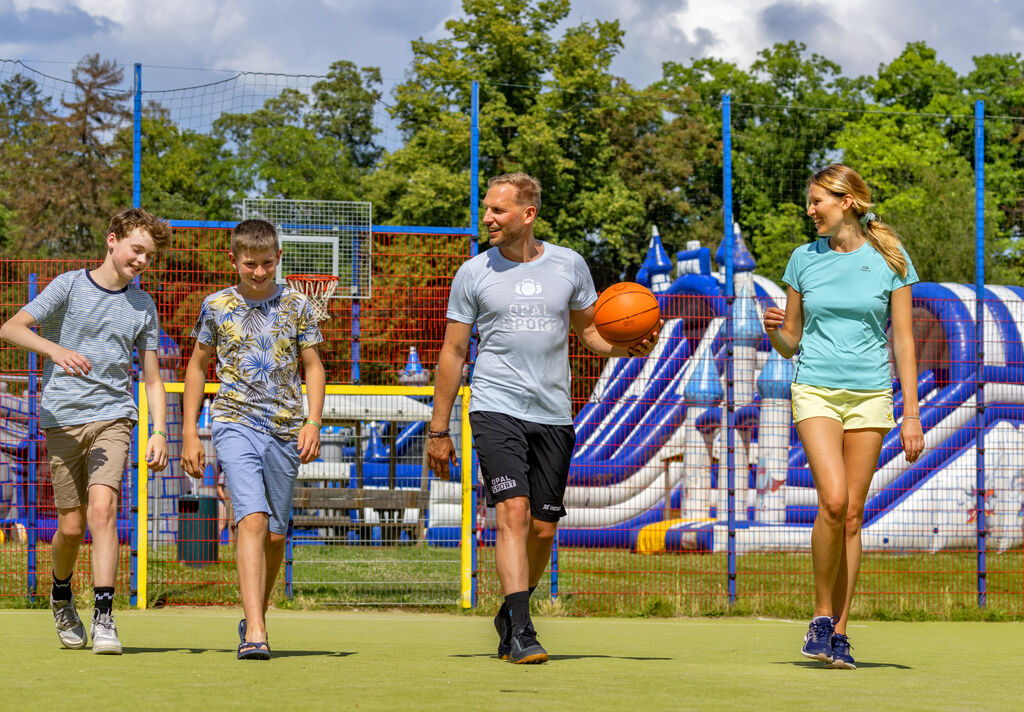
point(190, 528)
point(649, 530)
point(648, 527)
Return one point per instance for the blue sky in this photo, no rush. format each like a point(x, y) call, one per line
point(305, 36)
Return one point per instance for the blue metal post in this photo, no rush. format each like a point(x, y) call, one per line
point(468, 468)
point(355, 309)
point(474, 168)
point(288, 560)
point(355, 339)
point(730, 430)
point(554, 568)
point(979, 324)
point(137, 140)
point(31, 499)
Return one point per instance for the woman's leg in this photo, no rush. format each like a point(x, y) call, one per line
point(823, 442)
point(861, 449)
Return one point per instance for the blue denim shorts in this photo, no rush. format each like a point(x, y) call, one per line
point(259, 471)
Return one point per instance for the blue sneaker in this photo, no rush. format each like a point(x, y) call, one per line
point(841, 658)
point(818, 641)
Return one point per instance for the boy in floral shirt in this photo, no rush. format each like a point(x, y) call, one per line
point(260, 333)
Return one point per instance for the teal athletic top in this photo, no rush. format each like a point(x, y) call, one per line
point(847, 303)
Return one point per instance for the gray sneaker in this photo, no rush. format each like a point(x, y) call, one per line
point(104, 635)
point(70, 629)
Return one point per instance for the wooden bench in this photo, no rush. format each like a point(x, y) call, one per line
point(338, 502)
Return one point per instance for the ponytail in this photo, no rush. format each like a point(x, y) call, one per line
point(886, 242)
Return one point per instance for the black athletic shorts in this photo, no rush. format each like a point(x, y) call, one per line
point(522, 459)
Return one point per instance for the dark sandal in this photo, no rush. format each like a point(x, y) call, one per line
point(241, 631)
point(254, 651)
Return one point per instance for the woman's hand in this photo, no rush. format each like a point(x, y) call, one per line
point(912, 438)
point(773, 318)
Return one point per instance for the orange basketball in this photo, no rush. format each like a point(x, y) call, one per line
point(626, 312)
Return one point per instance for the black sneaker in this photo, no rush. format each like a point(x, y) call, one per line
point(503, 624)
point(526, 649)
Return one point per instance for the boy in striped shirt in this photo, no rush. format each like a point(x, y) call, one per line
point(89, 322)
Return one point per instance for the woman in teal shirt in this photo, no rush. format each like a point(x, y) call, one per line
point(843, 288)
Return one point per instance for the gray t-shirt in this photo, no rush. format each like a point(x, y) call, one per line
point(521, 310)
point(104, 326)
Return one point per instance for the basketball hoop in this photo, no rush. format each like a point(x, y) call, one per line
point(318, 288)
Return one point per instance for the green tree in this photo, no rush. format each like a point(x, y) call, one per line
point(277, 156)
point(612, 159)
point(344, 107)
point(25, 133)
point(64, 186)
point(185, 174)
point(998, 80)
point(89, 189)
point(915, 79)
point(785, 114)
point(922, 187)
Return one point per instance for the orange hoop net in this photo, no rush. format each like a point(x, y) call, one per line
point(318, 288)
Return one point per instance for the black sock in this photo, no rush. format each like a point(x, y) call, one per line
point(519, 609)
point(104, 598)
point(61, 590)
point(503, 611)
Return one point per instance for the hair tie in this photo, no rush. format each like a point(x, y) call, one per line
point(868, 217)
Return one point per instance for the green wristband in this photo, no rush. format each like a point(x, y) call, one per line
point(158, 432)
point(313, 422)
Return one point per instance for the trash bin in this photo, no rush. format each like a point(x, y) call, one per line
point(197, 530)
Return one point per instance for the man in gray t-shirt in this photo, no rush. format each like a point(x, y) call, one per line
point(523, 295)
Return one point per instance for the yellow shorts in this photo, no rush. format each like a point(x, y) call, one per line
point(854, 409)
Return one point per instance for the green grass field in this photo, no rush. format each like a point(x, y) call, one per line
point(184, 659)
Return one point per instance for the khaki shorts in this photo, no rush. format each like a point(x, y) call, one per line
point(854, 409)
point(85, 455)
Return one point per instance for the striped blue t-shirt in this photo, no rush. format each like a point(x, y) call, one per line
point(103, 325)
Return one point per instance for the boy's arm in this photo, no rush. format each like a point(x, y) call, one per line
point(156, 450)
point(447, 379)
point(193, 457)
point(316, 384)
point(18, 331)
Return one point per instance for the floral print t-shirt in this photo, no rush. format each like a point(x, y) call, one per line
point(258, 345)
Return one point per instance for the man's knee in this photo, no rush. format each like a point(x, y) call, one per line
point(544, 530)
point(513, 514)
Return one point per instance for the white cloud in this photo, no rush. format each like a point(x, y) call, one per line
point(306, 37)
